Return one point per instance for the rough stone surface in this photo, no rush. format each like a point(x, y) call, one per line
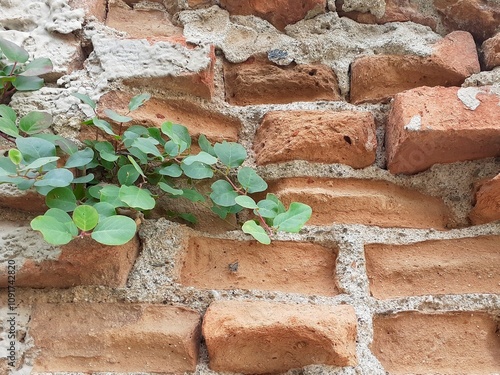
point(92, 8)
point(487, 202)
point(255, 337)
point(364, 202)
point(378, 78)
point(280, 13)
point(479, 17)
point(115, 337)
point(317, 136)
point(441, 125)
point(211, 263)
point(452, 343)
point(464, 265)
point(258, 81)
point(491, 51)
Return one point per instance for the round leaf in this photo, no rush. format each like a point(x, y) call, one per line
point(294, 219)
point(223, 194)
point(85, 217)
point(172, 171)
point(250, 227)
point(246, 201)
point(59, 177)
point(64, 218)
point(197, 170)
point(15, 156)
point(7, 112)
point(13, 52)
point(251, 181)
point(138, 101)
point(231, 154)
point(80, 158)
point(38, 67)
point(61, 198)
point(34, 122)
point(114, 230)
point(53, 231)
point(23, 83)
point(104, 209)
point(202, 157)
point(7, 126)
point(136, 197)
point(127, 174)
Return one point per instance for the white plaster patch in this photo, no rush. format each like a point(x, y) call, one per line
point(62, 18)
point(415, 124)
point(375, 7)
point(467, 96)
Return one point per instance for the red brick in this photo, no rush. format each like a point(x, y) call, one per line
point(456, 266)
point(451, 343)
point(258, 81)
point(491, 51)
point(278, 12)
point(428, 126)
point(115, 337)
point(487, 202)
point(369, 202)
point(26, 200)
point(81, 262)
point(195, 4)
point(377, 78)
point(141, 23)
point(205, 264)
point(92, 8)
point(256, 337)
point(317, 136)
point(480, 18)
point(156, 111)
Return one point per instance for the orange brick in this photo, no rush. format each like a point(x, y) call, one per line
point(27, 200)
point(487, 202)
point(491, 51)
point(377, 78)
point(115, 337)
point(258, 81)
point(456, 266)
point(451, 343)
point(81, 262)
point(316, 136)
point(278, 12)
point(206, 264)
point(256, 337)
point(92, 8)
point(433, 125)
point(369, 202)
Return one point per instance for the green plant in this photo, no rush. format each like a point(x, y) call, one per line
point(16, 73)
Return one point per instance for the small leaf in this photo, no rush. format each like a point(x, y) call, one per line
point(83, 179)
point(85, 217)
point(7, 112)
point(251, 181)
point(34, 122)
point(178, 134)
point(127, 174)
point(172, 171)
point(197, 170)
point(205, 145)
point(59, 177)
point(223, 194)
point(116, 116)
point(80, 158)
point(294, 219)
point(192, 195)
point(38, 67)
point(231, 154)
point(106, 151)
point(7, 167)
point(280, 206)
point(109, 194)
point(114, 230)
point(103, 125)
point(7, 126)
point(64, 218)
point(41, 162)
point(34, 148)
point(250, 227)
point(61, 198)
point(23, 83)
point(267, 208)
point(138, 101)
point(138, 198)
point(246, 202)
point(189, 218)
point(169, 189)
point(85, 99)
point(148, 146)
point(53, 231)
point(69, 147)
point(15, 156)
point(136, 166)
point(13, 52)
point(202, 157)
point(104, 209)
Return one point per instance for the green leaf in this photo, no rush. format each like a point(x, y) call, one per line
point(202, 157)
point(7, 112)
point(34, 148)
point(246, 201)
point(251, 181)
point(104, 209)
point(109, 194)
point(116, 116)
point(256, 231)
point(169, 189)
point(267, 208)
point(178, 134)
point(205, 145)
point(223, 194)
point(106, 151)
point(172, 171)
point(127, 174)
point(155, 133)
point(59, 177)
point(103, 125)
point(83, 179)
point(64, 218)
point(34, 122)
point(280, 206)
point(294, 219)
point(137, 198)
point(189, 218)
point(114, 230)
point(231, 154)
point(148, 146)
point(53, 231)
point(138, 101)
point(7, 126)
point(38, 67)
point(192, 195)
point(15, 156)
point(85, 217)
point(61, 198)
point(69, 147)
point(197, 170)
point(41, 162)
point(7, 167)
point(23, 83)
point(13, 52)
point(85, 99)
point(80, 158)
point(136, 166)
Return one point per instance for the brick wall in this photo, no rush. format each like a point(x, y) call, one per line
point(384, 116)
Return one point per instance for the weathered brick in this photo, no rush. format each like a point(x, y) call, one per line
point(256, 337)
point(115, 337)
point(455, 266)
point(480, 18)
point(195, 4)
point(206, 264)
point(140, 23)
point(162, 64)
point(25, 200)
point(317, 136)
point(81, 262)
point(92, 8)
point(432, 125)
point(278, 12)
point(258, 81)
point(377, 78)
point(487, 202)
point(156, 111)
point(491, 52)
point(369, 202)
point(451, 343)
